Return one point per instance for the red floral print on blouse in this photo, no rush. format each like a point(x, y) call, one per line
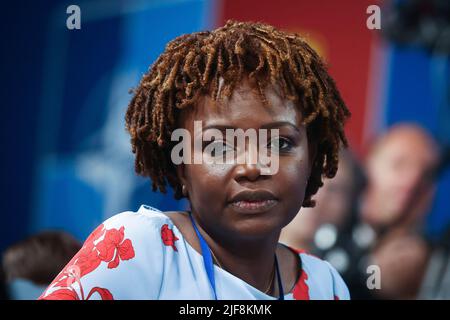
point(113, 248)
point(168, 237)
point(301, 289)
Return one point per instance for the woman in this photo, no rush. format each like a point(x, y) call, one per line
point(247, 76)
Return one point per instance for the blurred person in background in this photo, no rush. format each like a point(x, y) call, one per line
point(436, 282)
point(3, 294)
point(299, 233)
point(399, 194)
point(335, 202)
point(379, 221)
point(327, 229)
point(31, 264)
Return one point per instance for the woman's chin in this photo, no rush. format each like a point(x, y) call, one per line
point(255, 224)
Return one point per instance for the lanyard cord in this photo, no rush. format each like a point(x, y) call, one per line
point(209, 266)
point(280, 283)
point(207, 258)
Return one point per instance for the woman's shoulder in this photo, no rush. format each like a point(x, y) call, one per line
point(123, 250)
point(145, 221)
point(145, 214)
point(152, 228)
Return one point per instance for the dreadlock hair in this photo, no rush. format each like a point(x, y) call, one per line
point(213, 63)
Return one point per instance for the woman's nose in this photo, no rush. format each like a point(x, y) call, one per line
point(247, 171)
point(248, 166)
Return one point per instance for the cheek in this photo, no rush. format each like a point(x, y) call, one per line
point(206, 182)
point(296, 174)
point(292, 179)
point(298, 167)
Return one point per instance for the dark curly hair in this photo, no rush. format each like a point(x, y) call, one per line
point(193, 64)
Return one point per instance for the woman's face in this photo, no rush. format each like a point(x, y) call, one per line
point(237, 200)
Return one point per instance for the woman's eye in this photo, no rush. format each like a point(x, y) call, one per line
point(280, 144)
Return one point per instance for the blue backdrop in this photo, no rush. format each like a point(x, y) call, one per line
point(69, 163)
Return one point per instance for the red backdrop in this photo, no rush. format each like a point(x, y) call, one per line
point(337, 29)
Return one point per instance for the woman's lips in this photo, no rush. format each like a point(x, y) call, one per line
point(253, 206)
point(253, 201)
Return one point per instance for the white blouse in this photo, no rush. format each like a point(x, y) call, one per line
point(143, 255)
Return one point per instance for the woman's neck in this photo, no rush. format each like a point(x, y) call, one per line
point(250, 259)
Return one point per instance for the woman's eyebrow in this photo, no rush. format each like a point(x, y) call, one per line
point(271, 125)
point(221, 127)
point(278, 124)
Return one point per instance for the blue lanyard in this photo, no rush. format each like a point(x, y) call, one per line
point(209, 266)
point(207, 258)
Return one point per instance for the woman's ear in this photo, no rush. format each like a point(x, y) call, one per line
point(181, 174)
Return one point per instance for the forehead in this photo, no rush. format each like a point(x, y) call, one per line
point(245, 109)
